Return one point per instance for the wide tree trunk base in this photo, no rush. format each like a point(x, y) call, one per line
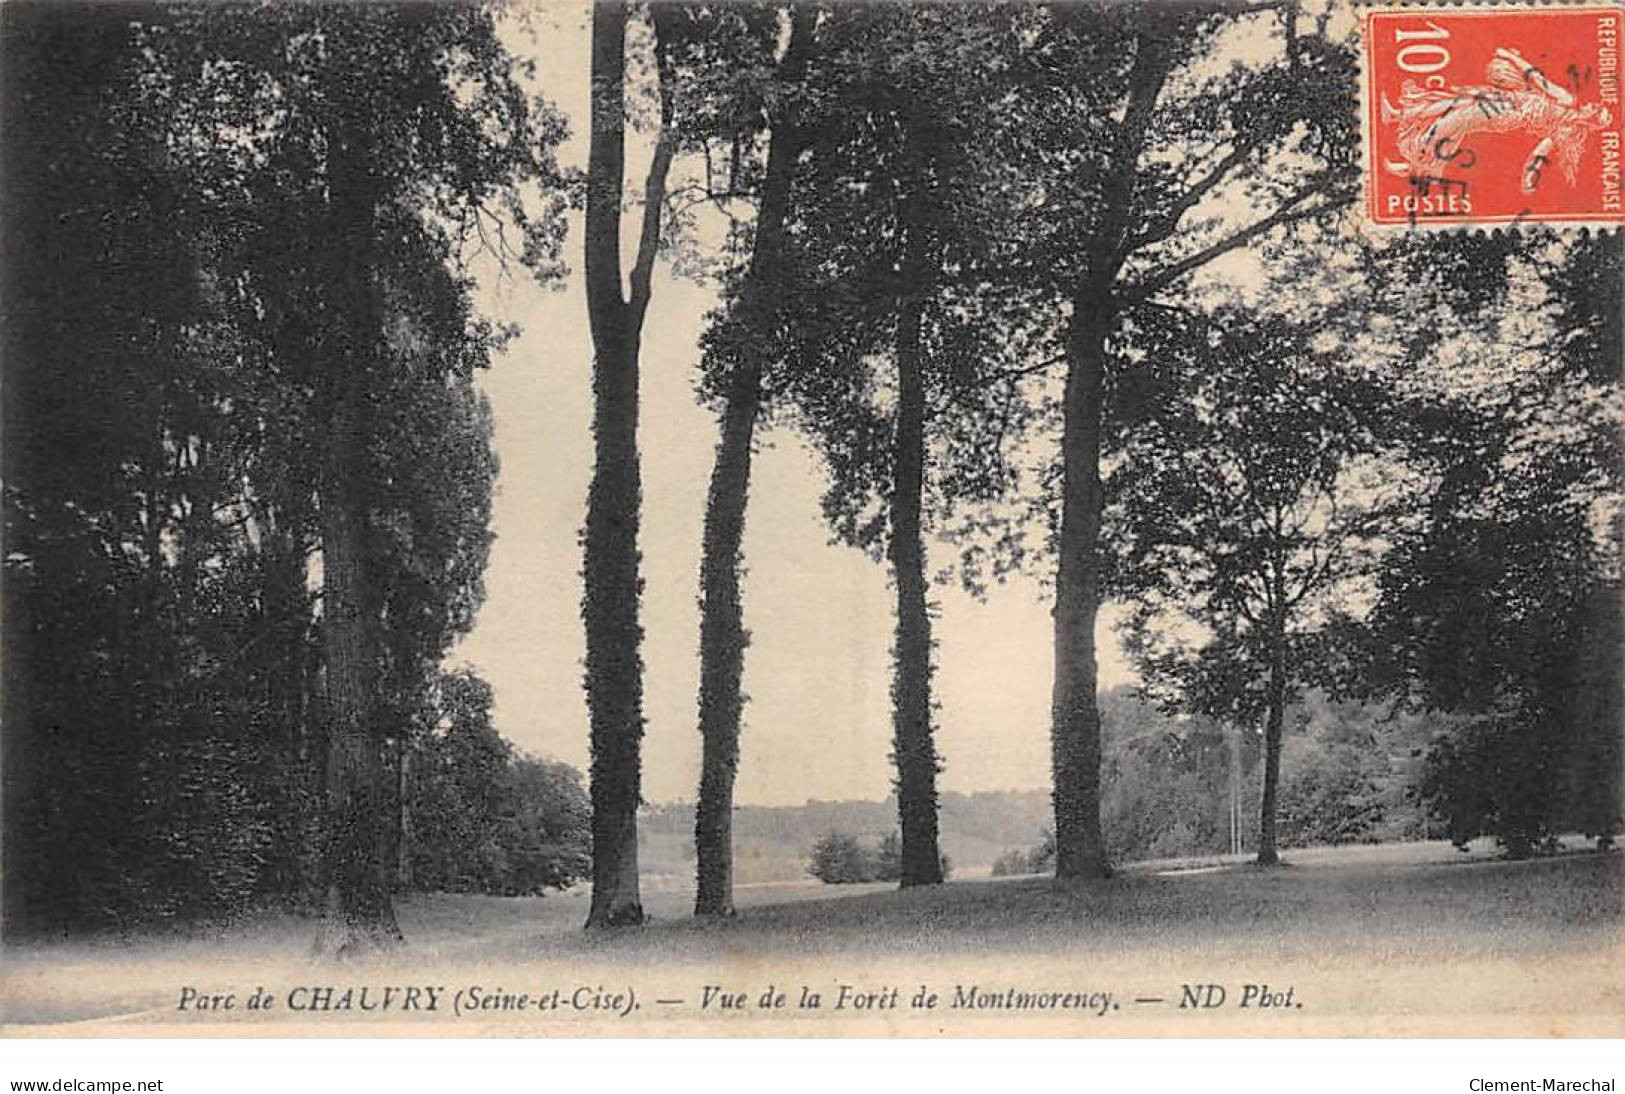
point(918, 882)
point(1084, 877)
point(344, 939)
point(715, 911)
point(1080, 851)
point(627, 916)
point(1097, 870)
point(1268, 858)
point(1519, 846)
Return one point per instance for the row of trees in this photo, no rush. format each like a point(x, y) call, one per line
point(248, 470)
point(972, 251)
point(941, 197)
point(967, 258)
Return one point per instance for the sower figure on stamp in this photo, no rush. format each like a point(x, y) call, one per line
point(1435, 124)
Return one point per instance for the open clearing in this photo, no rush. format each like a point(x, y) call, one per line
point(1407, 938)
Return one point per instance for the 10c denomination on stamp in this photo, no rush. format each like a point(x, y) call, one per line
point(1492, 115)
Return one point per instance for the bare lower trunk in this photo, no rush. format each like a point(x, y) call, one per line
point(358, 915)
point(722, 647)
point(913, 750)
point(722, 627)
point(614, 634)
point(1267, 854)
point(284, 619)
point(403, 815)
point(310, 757)
point(1080, 850)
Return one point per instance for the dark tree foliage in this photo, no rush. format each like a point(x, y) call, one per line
point(1499, 603)
point(1238, 508)
point(839, 859)
point(96, 388)
point(487, 819)
point(898, 346)
point(1128, 131)
point(248, 476)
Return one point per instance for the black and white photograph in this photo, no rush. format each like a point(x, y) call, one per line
point(811, 519)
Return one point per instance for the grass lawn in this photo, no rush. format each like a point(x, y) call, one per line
point(1403, 938)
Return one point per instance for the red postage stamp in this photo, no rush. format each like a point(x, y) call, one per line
point(1492, 115)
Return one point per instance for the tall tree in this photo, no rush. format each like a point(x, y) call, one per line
point(609, 608)
point(420, 131)
point(357, 909)
point(913, 750)
point(1161, 108)
point(899, 343)
point(737, 365)
point(312, 176)
point(1246, 498)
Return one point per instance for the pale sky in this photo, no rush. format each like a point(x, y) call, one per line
point(818, 670)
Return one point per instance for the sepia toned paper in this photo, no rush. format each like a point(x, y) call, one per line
point(1396, 935)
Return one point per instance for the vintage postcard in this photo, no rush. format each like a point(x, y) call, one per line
point(807, 519)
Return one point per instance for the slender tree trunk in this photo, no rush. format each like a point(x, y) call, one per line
point(722, 644)
point(1080, 848)
point(912, 748)
point(284, 618)
point(723, 637)
point(614, 634)
point(403, 814)
point(1267, 854)
point(614, 678)
point(311, 776)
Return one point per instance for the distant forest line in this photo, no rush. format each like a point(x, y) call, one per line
point(1354, 773)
